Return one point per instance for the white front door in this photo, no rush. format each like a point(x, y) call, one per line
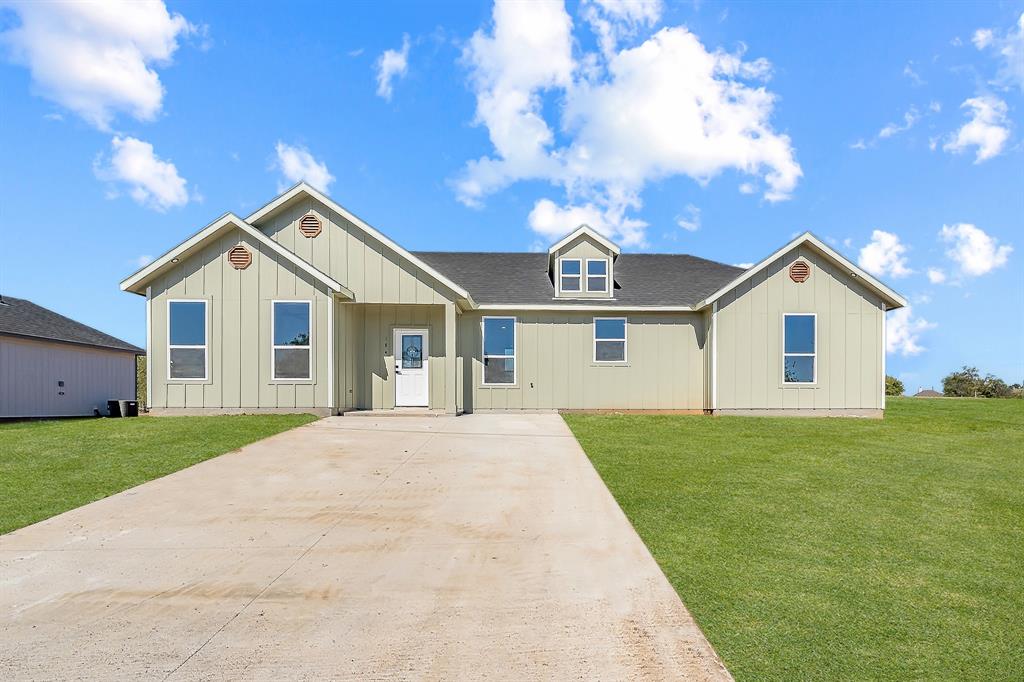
point(411, 384)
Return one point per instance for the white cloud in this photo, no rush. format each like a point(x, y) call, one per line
point(552, 221)
point(982, 38)
point(1009, 49)
point(296, 164)
point(663, 108)
point(909, 72)
point(143, 261)
point(745, 266)
point(691, 221)
point(96, 58)
point(614, 20)
point(934, 106)
point(910, 118)
point(976, 252)
point(748, 188)
point(390, 65)
point(152, 182)
point(884, 255)
point(988, 129)
point(936, 275)
point(903, 332)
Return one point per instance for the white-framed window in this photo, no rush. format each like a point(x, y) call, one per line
point(597, 275)
point(499, 351)
point(291, 358)
point(799, 348)
point(609, 339)
point(570, 275)
point(187, 340)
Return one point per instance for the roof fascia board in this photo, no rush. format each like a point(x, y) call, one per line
point(302, 187)
point(808, 238)
point(590, 232)
point(589, 308)
point(143, 274)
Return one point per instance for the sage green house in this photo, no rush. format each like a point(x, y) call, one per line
point(302, 306)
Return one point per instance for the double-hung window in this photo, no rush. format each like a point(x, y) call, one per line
point(597, 275)
point(499, 350)
point(799, 349)
point(291, 356)
point(609, 339)
point(570, 275)
point(186, 340)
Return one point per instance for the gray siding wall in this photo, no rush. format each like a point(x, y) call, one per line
point(849, 339)
point(30, 370)
point(556, 368)
point(239, 329)
point(373, 272)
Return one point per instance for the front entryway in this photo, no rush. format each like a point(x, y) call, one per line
point(411, 372)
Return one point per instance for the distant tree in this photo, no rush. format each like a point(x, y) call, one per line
point(968, 383)
point(893, 386)
point(994, 387)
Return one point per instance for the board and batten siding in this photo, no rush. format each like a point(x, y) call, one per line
point(749, 346)
point(31, 368)
point(238, 330)
point(370, 269)
point(664, 369)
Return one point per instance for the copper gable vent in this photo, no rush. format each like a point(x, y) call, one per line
point(799, 271)
point(309, 225)
point(239, 257)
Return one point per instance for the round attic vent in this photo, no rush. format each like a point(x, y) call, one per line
point(239, 257)
point(310, 225)
point(799, 271)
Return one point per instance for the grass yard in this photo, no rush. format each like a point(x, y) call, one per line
point(47, 467)
point(835, 548)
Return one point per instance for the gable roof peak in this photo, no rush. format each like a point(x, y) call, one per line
point(586, 230)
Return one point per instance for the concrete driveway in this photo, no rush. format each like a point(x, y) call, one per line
point(482, 546)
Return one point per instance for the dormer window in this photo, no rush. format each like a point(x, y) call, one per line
point(570, 278)
point(597, 275)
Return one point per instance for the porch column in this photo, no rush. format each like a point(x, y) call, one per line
point(451, 360)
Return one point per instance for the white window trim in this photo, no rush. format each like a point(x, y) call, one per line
point(814, 378)
point(624, 339)
point(274, 347)
point(205, 346)
point(607, 271)
point(514, 356)
point(579, 276)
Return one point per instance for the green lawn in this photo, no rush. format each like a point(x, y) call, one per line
point(47, 467)
point(835, 548)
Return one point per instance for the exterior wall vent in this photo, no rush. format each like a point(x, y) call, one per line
point(799, 271)
point(239, 257)
point(309, 225)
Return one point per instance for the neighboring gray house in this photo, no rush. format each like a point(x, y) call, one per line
point(52, 366)
point(303, 306)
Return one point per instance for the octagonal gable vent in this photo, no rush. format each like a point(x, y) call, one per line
point(239, 257)
point(799, 271)
point(309, 225)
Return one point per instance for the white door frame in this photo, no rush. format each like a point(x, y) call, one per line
point(396, 345)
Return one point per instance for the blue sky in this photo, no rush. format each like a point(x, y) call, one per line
point(718, 129)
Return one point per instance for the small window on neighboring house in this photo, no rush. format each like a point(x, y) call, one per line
point(292, 350)
point(799, 345)
point(570, 275)
point(499, 350)
point(609, 339)
point(597, 275)
point(186, 340)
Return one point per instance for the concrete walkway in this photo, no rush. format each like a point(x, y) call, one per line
point(475, 547)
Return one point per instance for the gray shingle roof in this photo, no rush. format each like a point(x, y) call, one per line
point(25, 318)
point(641, 279)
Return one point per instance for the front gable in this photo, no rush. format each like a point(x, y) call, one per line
point(580, 263)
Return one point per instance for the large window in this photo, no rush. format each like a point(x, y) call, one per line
point(609, 339)
point(799, 355)
point(186, 340)
point(499, 350)
point(597, 275)
point(292, 351)
point(570, 275)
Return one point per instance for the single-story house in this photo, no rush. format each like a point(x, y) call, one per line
point(52, 366)
point(927, 393)
point(303, 306)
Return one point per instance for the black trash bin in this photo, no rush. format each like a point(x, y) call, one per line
point(128, 408)
point(114, 408)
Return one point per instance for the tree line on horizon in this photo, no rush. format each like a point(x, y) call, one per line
point(965, 383)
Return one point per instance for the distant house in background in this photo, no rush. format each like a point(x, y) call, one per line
point(52, 366)
point(927, 393)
